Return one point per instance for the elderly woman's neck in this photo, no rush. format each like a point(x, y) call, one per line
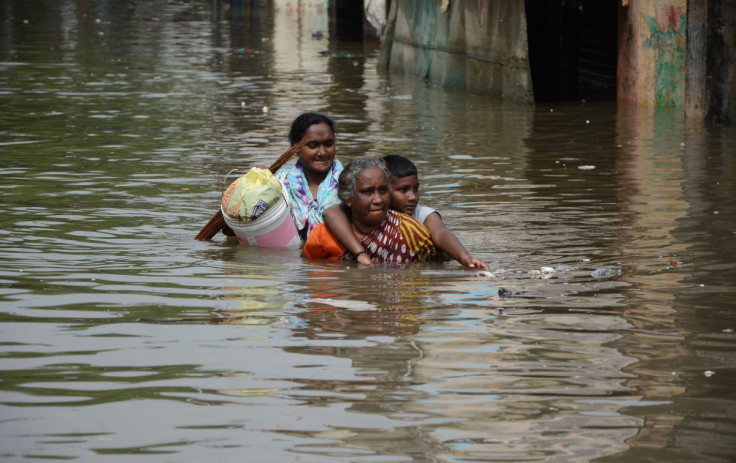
point(361, 230)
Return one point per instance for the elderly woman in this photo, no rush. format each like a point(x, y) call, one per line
point(310, 186)
point(386, 235)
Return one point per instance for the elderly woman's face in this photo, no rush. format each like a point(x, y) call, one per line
point(370, 197)
point(318, 152)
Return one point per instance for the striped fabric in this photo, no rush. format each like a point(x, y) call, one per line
point(400, 239)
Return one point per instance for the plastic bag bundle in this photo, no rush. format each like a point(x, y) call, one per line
point(251, 195)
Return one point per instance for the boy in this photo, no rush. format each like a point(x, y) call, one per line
point(404, 193)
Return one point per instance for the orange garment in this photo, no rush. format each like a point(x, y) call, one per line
point(321, 244)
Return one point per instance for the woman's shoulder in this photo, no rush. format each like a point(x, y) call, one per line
point(284, 172)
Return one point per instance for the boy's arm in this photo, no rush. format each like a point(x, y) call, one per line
point(337, 222)
point(446, 240)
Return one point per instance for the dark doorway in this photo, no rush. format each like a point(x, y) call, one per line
point(348, 20)
point(572, 49)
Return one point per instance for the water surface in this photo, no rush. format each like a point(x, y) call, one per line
point(121, 336)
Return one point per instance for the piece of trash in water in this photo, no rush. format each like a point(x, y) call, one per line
point(503, 292)
point(358, 306)
point(586, 167)
point(564, 268)
point(265, 109)
point(483, 273)
point(709, 373)
point(605, 272)
point(402, 97)
point(535, 274)
point(547, 272)
point(672, 263)
point(340, 54)
point(728, 330)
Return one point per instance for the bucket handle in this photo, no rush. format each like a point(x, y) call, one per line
point(244, 171)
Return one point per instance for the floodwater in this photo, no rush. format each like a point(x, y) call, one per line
point(122, 337)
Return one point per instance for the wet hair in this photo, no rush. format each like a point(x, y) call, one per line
point(302, 123)
point(399, 166)
point(349, 176)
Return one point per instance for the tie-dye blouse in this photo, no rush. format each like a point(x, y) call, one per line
point(306, 210)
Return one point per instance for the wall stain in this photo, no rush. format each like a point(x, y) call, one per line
point(667, 33)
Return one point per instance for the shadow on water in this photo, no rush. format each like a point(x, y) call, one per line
point(604, 330)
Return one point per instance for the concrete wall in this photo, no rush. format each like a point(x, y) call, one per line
point(671, 53)
point(651, 52)
point(710, 90)
point(480, 46)
point(680, 54)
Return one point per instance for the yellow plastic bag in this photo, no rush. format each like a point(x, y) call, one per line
point(251, 195)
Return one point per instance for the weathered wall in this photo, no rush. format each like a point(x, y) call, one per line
point(720, 61)
point(480, 46)
point(679, 53)
point(651, 63)
point(671, 53)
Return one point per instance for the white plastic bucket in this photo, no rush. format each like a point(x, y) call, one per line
point(274, 227)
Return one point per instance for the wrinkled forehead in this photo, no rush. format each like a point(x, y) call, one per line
point(371, 175)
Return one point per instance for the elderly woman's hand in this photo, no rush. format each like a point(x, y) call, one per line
point(364, 259)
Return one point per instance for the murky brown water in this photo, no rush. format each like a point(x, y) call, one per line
point(121, 336)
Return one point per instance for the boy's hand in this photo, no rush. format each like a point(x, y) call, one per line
point(472, 262)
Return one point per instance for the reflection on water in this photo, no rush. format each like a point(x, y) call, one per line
point(122, 335)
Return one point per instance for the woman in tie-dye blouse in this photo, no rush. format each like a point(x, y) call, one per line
point(310, 186)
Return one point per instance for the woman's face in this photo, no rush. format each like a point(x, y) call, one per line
point(318, 151)
point(370, 197)
point(405, 194)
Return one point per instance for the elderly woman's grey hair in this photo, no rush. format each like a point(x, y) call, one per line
point(349, 176)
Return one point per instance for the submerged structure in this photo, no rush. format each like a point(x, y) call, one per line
point(676, 54)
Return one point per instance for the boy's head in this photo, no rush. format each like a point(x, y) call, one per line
point(404, 183)
point(399, 166)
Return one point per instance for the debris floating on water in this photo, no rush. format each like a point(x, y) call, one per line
point(586, 167)
point(605, 272)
